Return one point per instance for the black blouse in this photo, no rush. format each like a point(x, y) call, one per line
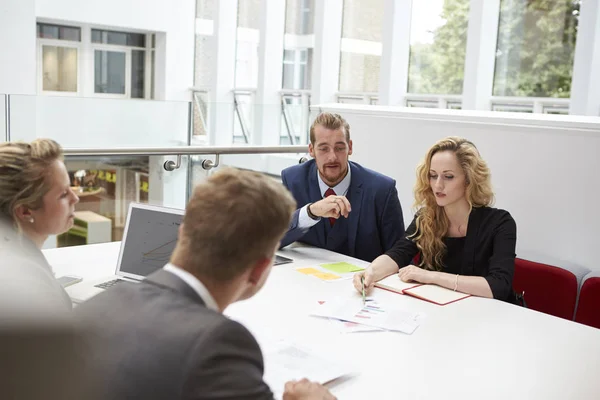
point(488, 250)
point(454, 254)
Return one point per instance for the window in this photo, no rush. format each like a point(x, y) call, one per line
point(121, 60)
point(58, 51)
point(119, 38)
point(248, 40)
point(297, 56)
point(114, 64)
point(361, 45)
point(109, 72)
point(60, 32)
point(536, 47)
point(438, 44)
point(296, 69)
point(59, 69)
point(299, 17)
point(205, 9)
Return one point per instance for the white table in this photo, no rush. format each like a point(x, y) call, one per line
point(472, 349)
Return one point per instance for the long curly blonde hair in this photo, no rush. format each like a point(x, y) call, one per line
point(431, 221)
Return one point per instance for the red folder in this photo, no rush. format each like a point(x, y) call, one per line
point(431, 293)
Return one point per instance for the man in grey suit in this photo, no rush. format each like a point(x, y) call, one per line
point(165, 338)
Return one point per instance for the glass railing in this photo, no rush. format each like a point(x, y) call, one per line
point(539, 105)
point(3, 117)
point(244, 105)
point(242, 114)
point(358, 98)
point(295, 117)
point(99, 122)
point(107, 180)
point(105, 186)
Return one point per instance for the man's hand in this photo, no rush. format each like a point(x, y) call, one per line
point(331, 207)
point(306, 390)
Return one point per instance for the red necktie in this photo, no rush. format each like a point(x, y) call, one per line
point(330, 192)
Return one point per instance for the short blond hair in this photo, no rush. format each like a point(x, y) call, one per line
point(330, 121)
point(232, 220)
point(24, 174)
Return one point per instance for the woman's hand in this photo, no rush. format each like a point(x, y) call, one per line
point(369, 279)
point(412, 273)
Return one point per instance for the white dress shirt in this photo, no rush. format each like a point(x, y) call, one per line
point(195, 284)
point(304, 221)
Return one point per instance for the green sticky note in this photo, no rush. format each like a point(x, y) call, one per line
point(342, 267)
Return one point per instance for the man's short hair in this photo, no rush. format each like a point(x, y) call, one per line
point(330, 121)
point(232, 220)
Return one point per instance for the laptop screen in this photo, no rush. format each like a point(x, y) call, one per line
point(148, 240)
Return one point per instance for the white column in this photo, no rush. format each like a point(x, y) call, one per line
point(18, 47)
point(86, 63)
point(393, 75)
point(223, 73)
point(585, 89)
point(480, 57)
point(267, 103)
point(326, 56)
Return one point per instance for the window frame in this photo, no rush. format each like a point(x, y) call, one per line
point(148, 85)
point(41, 42)
point(86, 53)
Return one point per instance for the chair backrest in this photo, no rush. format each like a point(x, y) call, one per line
point(548, 289)
point(588, 307)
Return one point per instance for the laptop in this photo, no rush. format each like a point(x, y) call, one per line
point(282, 260)
point(149, 239)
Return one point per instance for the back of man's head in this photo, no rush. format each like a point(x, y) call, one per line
point(233, 220)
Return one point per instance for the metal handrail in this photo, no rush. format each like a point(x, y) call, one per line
point(184, 150)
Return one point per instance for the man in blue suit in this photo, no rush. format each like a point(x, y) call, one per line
point(342, 206)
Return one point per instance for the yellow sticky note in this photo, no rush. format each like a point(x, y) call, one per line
point(326, 276)
point(308, 271)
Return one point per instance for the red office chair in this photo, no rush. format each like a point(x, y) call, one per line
point(548, 289)
point(588, 307)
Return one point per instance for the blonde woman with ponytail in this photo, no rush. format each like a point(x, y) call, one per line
point(456, 240)
point(36, 201)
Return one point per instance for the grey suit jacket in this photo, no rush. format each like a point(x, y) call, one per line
point(157, 340)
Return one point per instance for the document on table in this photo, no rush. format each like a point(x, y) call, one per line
point(352, 327)
point(372, 314)
point(288, 361)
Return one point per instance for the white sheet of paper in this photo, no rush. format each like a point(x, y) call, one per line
point(394, 283)
point(288, 361)
point(372, 314)
point(353, 327)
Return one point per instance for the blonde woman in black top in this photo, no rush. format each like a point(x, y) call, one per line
point(456, 239)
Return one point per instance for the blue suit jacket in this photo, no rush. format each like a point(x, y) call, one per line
point(375, 206)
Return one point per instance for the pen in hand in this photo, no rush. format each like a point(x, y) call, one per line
point(362, 282)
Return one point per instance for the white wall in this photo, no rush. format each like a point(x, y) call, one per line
point(544, 168)
point(175, 19)
point(17, 47)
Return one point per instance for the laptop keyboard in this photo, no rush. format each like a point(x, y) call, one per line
point(106, 285)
